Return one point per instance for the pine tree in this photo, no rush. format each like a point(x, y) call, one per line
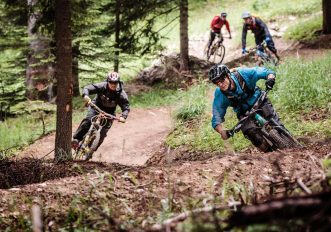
point(63, 38)
point(326, 5)
point(184, 66)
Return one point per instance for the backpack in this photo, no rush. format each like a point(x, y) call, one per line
point(235, 102)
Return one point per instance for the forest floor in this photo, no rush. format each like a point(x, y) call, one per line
point(142, 180)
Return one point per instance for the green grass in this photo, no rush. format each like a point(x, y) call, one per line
point(275, 9)
point(24, 130)
point(157, 97)
point(306, 30)
point(193, 126)
point(192, 103)
point(301, 87)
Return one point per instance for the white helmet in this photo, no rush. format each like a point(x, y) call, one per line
point(246, 15)
point(113, 77)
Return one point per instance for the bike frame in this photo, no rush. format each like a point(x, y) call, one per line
point(261, 121)
point(97, 123)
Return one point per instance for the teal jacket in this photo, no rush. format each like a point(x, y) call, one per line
point(246, 101)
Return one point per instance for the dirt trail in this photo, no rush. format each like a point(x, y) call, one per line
point(131, 143)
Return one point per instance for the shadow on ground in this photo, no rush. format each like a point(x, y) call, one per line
point(31, 170)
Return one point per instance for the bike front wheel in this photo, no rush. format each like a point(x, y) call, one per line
point(217, 53)
point(88, 145)
point(93, 145)
point(282, 139)
point(220, 52)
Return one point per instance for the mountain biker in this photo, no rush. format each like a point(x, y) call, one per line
point(260, 31)
point(216, 26)
point(237, 88)
point(109, 94)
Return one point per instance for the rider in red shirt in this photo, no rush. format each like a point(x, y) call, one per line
point(216, 26)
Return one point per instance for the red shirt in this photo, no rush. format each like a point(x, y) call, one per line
point(217, 23)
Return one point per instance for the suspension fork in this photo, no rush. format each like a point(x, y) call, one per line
point(89, 132)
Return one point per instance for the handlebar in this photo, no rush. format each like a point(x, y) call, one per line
point(254, 49)
point(109, 116)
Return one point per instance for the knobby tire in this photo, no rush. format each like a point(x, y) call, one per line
point(288, 137)
point(220, 52)
point(96, 141)
point(81, 152)
point(283, 139)
point(278, 140)
point(216, 51)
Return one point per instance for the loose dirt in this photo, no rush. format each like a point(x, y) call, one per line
point(142, 193)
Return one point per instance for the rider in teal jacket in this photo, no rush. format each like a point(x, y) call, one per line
point(238, 89)
point(246, 100)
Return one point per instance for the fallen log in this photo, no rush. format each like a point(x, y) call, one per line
point(315, 207)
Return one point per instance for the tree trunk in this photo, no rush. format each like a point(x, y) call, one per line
point(184, 35)
point(75, 71)
point(39, 74)
point(64, 80)
point(326, 5)
point(117, 34)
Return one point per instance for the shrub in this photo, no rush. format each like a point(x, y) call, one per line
point(192, 103)
point(306, 30)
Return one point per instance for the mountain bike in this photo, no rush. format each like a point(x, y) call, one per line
point(263, 55)
point(217, 49)
point(276, 135)
point(91, 140)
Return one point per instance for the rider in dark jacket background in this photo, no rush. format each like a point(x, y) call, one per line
point(238, 90)
point(109, 94)
point(260, 31)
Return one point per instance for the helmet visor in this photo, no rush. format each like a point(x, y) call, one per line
point(112, 81)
